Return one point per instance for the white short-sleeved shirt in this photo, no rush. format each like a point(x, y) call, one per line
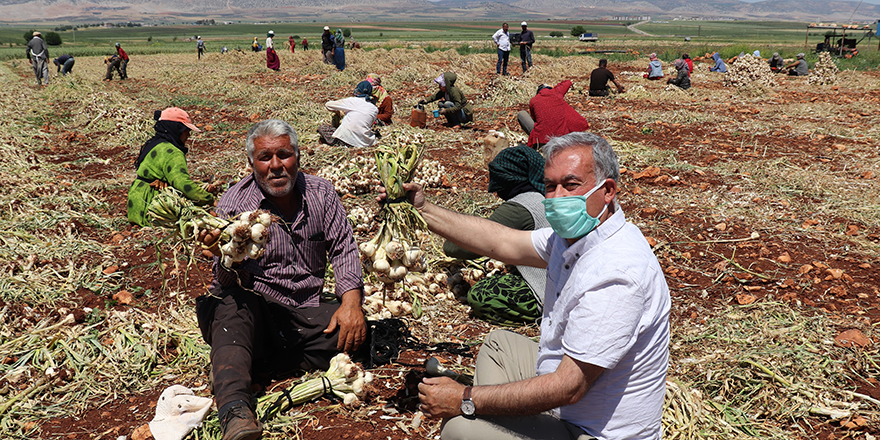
point(356, 127)
point(502, 39)
point(607, 304)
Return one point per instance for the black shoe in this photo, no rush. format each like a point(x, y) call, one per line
point(238, 422)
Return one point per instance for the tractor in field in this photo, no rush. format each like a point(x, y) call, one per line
point(836, 41)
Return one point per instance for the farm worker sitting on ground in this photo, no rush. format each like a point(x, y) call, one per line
point(549, 115)
point(327, 45)
point(358, 114)
point(339, 50)
point(266, 318)
point(756, 54)
point(799, 67)
point(64, 63)
point(123, 65)
point(719, 64)
point(453, 105)
point(655, 68)
point(516, 174)
point(383, 100)
point(683, 77)
point(38, 54)
point(255, 46)
point(687, 59)
point(776, 63)
point(600, 365)
point(162, 162)
point(599, 78)
point(272, 60)
point(113, 62)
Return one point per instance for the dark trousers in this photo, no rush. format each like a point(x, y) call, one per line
point(255, 338)
point(123, 69)
point(503, 58)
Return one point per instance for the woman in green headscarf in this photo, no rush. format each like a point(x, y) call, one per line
point(516, 174)
point(339, 50)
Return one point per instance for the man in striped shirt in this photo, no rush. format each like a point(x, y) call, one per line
point(267, 317)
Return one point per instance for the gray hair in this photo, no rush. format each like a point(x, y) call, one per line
point(605, 165)
point(272, 128)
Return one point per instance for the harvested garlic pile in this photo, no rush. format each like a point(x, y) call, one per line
point(384, 302)
point(824, 71)
point(361, 220)
point(748, 70)
point(358, 175)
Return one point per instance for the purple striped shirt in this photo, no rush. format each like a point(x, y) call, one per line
point(292, 268)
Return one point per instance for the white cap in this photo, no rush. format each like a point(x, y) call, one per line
point(272, 32)
point(326, 28)
point(523, 24)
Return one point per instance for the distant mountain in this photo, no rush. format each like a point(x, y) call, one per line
point(366, 10)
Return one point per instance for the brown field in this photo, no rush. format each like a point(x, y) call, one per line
point(761, 203)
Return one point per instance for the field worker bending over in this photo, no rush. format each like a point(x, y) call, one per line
point(358, 114)
point(600, 366)
point(517, 176)
point(453, 105)
point(719, 64)
point(64, 63)
point(266, 318)
point(799, 67)
point(549, 115)
point(123, 65)
point(655, 68)
point(683, 77)
point(162, 162)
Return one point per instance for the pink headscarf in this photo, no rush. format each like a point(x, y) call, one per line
point(653, 56)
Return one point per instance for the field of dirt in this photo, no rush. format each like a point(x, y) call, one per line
point(762, 204)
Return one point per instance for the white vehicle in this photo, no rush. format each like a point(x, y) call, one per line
point(589, 37)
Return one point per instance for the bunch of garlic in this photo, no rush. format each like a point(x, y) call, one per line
point(748, 70)
point(391, 260)
point(824, 71)
point(247, 237)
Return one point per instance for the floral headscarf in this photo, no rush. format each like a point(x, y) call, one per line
point(680, 64)
point(378, 91)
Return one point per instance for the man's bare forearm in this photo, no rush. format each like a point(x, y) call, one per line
point(482, 236)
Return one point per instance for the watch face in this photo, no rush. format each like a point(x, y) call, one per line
point(467, 407)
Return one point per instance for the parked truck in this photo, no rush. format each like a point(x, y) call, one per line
point(589, 37)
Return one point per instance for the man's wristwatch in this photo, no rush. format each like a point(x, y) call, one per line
point(467, 405)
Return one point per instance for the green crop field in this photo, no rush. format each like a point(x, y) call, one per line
point(667, 39)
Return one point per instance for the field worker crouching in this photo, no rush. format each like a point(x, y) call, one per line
point(719, 64)
point(599, 78)
point(266, 318)
point(453, 104)
point(162, 162)
point(358, 114)
point(516, 174)
point(655, 68)
point(600, 366)
point(683, 76)
point(549, 115)
point(799, 67)
point(382, 100)
point(776, 63)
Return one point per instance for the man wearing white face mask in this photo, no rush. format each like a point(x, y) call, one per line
point(599, 370)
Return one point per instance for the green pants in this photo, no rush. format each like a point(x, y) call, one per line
point(504, 299)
